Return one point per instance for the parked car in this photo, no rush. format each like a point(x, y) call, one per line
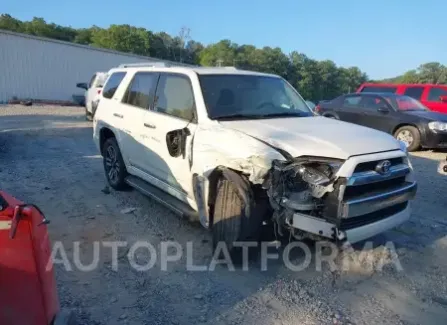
point(432, 96)
point(92, 92)
point(402, 116)
point(235, 148)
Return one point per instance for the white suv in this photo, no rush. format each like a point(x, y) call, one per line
point(92, 93)
point(236, 148)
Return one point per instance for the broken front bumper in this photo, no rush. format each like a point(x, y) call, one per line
point(363, 204)
point(329, 230)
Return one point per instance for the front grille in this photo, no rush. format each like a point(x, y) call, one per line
point(370, 189)
point(372, 217)
point(371, 165)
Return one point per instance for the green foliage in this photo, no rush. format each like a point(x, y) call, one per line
point(432, 72)
point(315, 80)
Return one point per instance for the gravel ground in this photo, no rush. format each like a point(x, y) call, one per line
point(48, 158)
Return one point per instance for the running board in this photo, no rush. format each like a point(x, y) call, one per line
point(163, 198)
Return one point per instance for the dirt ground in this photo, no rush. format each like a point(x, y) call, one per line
point(48, 158)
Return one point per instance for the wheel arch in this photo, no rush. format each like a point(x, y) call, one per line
point(104, 134)
point(397, 127)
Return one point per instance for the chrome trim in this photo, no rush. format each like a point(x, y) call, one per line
point(360, 233)
point(373, 176)
point(365, 205)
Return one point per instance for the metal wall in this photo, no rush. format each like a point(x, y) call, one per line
point(40, 68)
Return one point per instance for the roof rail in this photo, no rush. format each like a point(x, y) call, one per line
point(146, 64)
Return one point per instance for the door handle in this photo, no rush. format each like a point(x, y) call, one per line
point(118, 115)
point(150, 126)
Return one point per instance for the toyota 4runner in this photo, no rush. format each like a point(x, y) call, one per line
point(237, 148)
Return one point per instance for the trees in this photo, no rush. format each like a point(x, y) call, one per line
point(431, 72)
point(315, 80)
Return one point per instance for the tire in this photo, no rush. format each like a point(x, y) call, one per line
point(114, 166)
point(235, 218)
point(410, 136)
point(331, 116)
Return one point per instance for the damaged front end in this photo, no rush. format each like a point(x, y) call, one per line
point(305, 187)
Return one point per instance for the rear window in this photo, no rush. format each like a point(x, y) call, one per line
point(112, 84)
point(378, 89)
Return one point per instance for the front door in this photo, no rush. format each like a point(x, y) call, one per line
point(377, 113)
point(169, 128)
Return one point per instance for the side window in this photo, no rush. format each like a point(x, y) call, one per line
point(112, 84)
point(174, 96)
point(373, 102)
point(415, 92)
point(435, 93)
point(141, 90)
point(90, 84)
point(352, 101)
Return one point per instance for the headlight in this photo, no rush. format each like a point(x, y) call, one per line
point(437, 126)
point(319, 173)
point(403, 146)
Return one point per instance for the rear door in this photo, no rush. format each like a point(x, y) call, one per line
point(135, 103)
point(173, 110)
point(433, 100)
point(350, 110)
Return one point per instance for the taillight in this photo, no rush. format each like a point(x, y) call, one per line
point(317, 109)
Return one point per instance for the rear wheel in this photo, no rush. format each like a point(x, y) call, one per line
point(235, 216)
point(410, 136)
point(114, 165)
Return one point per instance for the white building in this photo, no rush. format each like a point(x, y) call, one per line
point(40, 68)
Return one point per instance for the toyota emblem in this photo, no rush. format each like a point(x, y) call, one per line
point(383, 167)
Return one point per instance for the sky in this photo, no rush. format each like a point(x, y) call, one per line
point(383, 38)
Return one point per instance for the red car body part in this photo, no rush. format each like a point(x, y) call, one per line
point(28, 293)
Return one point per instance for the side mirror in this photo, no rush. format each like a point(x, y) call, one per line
point(82, 85)
point(443, 99)
point(383, 109)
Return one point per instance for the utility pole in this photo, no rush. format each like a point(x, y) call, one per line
point(184, 36)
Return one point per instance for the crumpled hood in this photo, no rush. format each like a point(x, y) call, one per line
point(316, 136)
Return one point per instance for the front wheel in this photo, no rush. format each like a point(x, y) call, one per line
point(114, 165)
point(410, 136)
point(235, 215)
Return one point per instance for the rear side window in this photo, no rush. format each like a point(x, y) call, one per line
point(112, 84)
point(174, 96)
point(435, 93)
point(414, 92)
point(378, 89)
point(352, 101)
point(141, 90)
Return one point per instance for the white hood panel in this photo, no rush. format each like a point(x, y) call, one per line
point(316, 136)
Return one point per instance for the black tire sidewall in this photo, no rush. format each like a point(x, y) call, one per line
point(416, 136)
point(121, 183)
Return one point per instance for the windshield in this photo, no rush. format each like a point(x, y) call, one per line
point(406, 103)
point(250, 96)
